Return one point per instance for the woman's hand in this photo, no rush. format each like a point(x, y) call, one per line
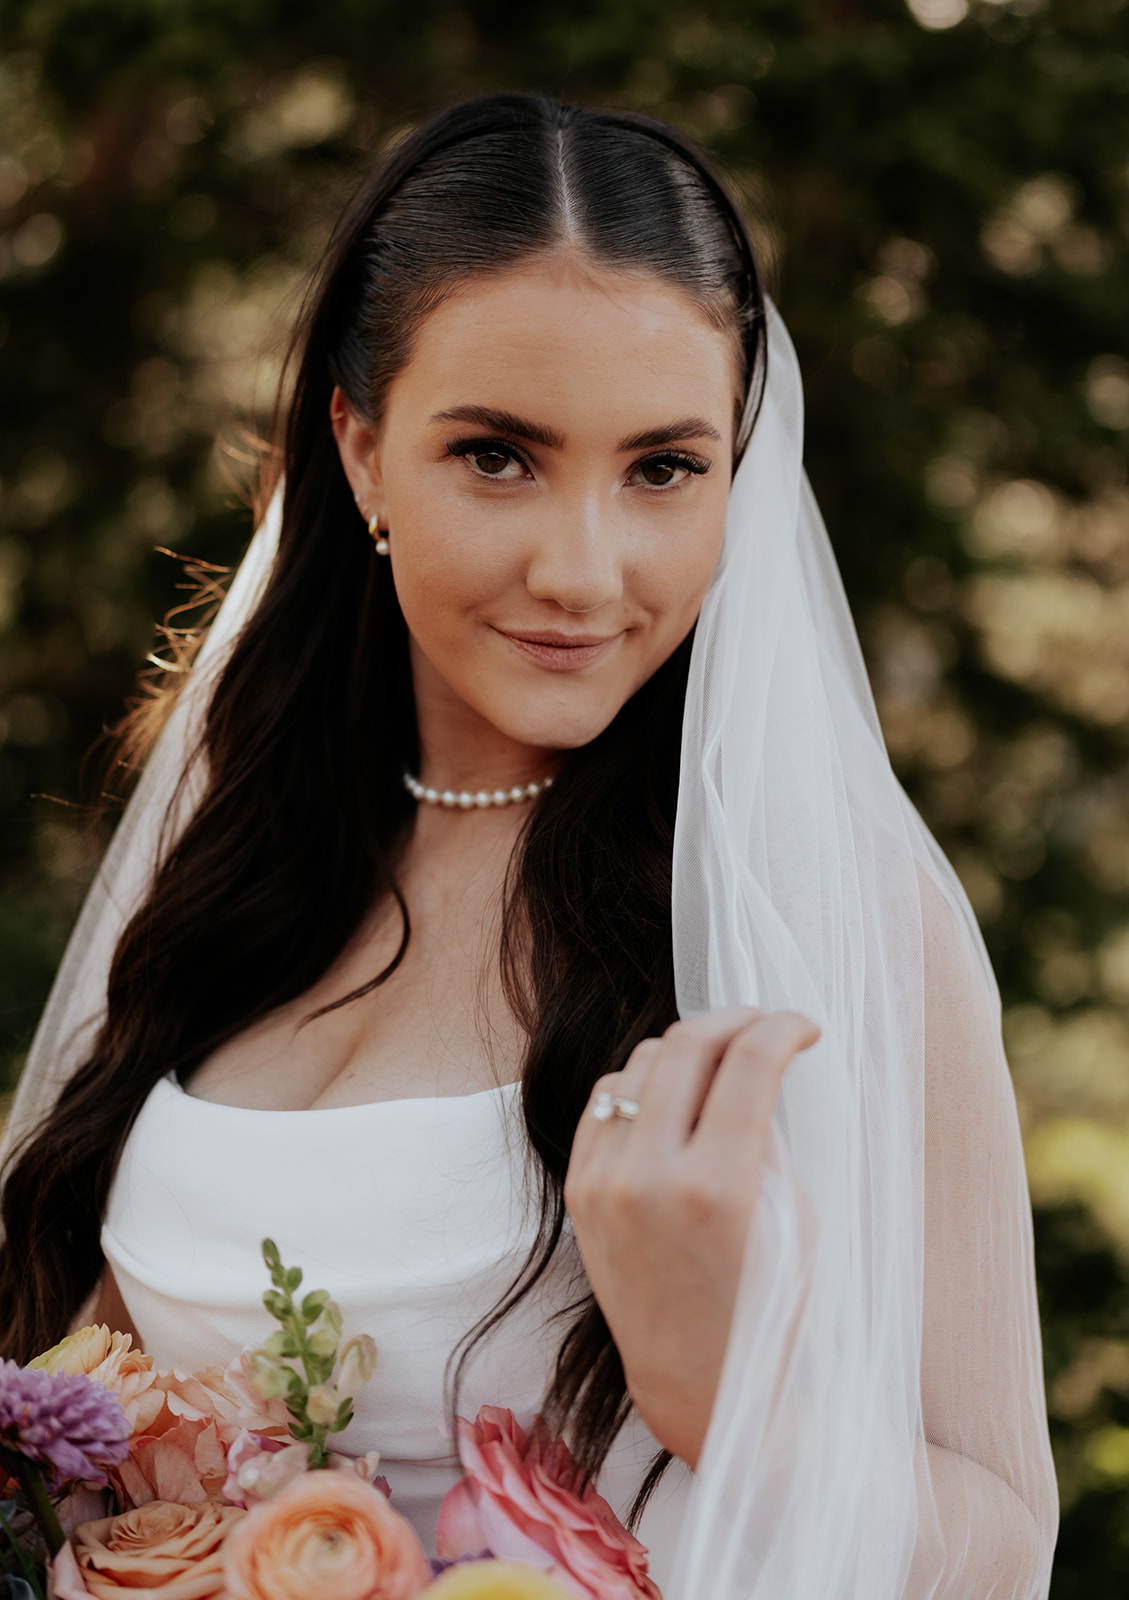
point(661, 1203)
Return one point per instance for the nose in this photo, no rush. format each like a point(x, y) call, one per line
point(576, 560)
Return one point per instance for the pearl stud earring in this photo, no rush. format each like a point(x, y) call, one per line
point(381, 540)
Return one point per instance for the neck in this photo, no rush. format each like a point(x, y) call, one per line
point(460, 751)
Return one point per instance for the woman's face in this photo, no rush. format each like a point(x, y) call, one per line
point(552, 470)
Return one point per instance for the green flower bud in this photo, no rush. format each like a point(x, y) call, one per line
point(358, 1361)
point(322, 1342)
point(325, 1333)
point(269, 1379)
point(312, 1304)
point(281, 1344)
point(276, 1304)
point(293, 1278)
point(322, 1404)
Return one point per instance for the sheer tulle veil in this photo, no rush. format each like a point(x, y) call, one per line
point(880, 1431)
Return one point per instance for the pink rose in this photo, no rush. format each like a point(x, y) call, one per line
point(523, 1498)
point(328, 1534)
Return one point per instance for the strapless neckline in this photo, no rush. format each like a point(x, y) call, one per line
point(416, 1214)
point(400, 1105)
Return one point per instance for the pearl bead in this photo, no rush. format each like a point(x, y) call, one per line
point(467, 800)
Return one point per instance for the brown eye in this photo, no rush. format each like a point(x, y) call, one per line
point(668, 471)
point(492, 462)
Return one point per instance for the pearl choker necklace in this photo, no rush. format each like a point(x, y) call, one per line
point(467, 799)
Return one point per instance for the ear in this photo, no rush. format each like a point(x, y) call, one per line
point(358, 444)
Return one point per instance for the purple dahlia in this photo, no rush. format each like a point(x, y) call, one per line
point(73, 1425)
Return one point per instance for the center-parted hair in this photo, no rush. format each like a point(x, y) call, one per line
point(312, 723)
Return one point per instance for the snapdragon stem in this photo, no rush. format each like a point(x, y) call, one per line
point(33, 1487)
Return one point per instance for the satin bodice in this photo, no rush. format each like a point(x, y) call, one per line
point(415, 1214)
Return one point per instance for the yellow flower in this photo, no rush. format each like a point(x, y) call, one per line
point(494, 1580)
point(112, 1360)
point(79, 1352)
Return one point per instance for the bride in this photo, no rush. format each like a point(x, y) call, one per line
point(519, 921)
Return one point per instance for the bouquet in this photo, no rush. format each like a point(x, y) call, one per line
point(224, 1485)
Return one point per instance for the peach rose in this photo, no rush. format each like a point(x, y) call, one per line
point(111, 1358)
point(188, 1463)
point(328, 1534)
point(172, 1550)
point(495, 1580)
point(182, 1453)
point(523, 1498)
point(220, 1395)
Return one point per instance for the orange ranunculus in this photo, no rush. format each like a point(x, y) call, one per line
point(329, 1533)
point(173, 1550)
point(112, 1360)
point(495, 1580)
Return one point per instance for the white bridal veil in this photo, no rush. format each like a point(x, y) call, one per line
point(880, 1431)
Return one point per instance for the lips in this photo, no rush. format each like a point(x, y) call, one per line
point(557, 651)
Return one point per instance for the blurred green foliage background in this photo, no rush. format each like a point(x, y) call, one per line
point(943, 186)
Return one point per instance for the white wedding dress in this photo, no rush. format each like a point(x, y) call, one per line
point(413, 1213)
point(880, 1430)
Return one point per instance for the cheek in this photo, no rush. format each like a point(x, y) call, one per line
point(673, 574)
point(446, 565)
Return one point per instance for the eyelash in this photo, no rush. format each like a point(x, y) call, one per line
point(698, 466)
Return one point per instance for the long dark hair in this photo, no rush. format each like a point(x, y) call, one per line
point(313, 722)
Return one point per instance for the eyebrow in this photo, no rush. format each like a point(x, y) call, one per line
point(520, 427)
point(503, 422)
point(684, 428)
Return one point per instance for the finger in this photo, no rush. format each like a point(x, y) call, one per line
point(746, 1086)
point(682, 1069)
point(593, 1133)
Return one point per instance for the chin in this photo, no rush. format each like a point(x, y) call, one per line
point(555, 728)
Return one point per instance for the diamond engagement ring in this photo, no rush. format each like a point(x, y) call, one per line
point(605, 1106)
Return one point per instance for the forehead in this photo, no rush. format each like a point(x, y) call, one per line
point(562, 335)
